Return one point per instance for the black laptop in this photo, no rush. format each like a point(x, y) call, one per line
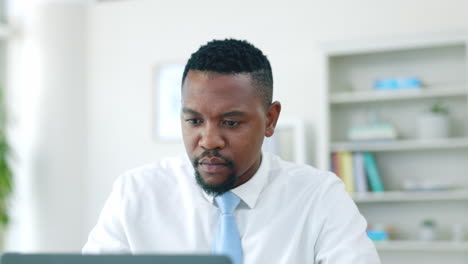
point(15, 258)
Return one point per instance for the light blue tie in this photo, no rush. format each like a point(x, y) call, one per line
point(227, 240)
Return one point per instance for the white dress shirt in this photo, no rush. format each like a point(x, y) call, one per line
point(288, 214)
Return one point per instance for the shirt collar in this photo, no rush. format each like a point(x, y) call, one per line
point(250, 190)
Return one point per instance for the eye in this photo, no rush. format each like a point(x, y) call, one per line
point(229, 123)
point(193, 121)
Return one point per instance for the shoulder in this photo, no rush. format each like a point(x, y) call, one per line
point(302, 174)
point(164, 172)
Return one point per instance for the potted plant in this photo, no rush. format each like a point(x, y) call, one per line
point(434, 123)
point(5, 172)
point(427, 230)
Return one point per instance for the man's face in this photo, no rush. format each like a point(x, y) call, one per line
point(224, 121)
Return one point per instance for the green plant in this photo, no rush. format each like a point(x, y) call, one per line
point(438, 108)
point(428, 223)
point(5, 170)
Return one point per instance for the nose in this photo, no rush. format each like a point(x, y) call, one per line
point(211, 138)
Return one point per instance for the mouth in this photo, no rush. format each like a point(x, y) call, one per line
point(214, 172)
point(212, 165)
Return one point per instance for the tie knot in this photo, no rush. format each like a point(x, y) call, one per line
point(227, 202)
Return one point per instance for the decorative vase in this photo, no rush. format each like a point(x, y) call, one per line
point(433, 125)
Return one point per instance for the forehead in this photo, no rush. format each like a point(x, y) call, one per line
point(218, 91)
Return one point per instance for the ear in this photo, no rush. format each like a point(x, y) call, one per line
point(272, 118)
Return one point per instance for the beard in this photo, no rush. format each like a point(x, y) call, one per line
point(217, 189)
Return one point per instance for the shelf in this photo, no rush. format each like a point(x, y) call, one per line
point(401, 145)
point(435, 169)
point(401, 196)
point(377, 96)
point(401, 245)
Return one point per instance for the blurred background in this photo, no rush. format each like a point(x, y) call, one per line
point(80, 80)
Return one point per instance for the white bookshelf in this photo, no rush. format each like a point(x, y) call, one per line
point(401, 145)
point(422, 246)
point(440, 61)
point(377, 96)
point(414, 196)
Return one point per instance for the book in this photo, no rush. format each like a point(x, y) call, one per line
point(360, 176)
point(335, 164)
point(346, 170)
point(375, 131)
point(373, 174)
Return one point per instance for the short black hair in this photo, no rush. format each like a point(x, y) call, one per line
point(232, 56)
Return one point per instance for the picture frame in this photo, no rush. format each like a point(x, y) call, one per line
point(167, 81)
point(288, 141)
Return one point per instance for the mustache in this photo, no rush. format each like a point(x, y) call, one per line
point(212, 153)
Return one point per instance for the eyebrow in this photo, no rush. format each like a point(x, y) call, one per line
point(227, 114)
point(186, 110)
point(233, 114)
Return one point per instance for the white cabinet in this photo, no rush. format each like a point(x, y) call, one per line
point(440, 61)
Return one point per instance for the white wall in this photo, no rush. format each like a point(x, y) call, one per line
point(87, 137)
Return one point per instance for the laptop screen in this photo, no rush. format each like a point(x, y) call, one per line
point(15, 258)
